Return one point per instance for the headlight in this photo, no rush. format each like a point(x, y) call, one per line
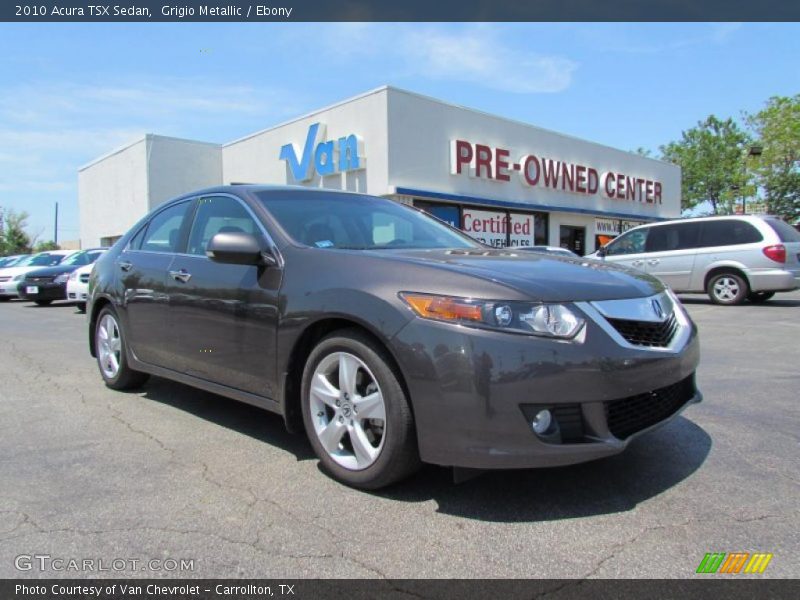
point(19, 277)
point(62, 278)
point(73, 276)
point(550, 320)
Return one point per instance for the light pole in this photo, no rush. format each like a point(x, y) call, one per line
point(753, 150)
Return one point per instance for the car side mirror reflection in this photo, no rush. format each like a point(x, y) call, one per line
point(239, 248)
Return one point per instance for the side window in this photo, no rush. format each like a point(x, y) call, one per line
point(218, 214)
point(136, 241)
point(680, 236)
point(729, 232)
point(164, 231)
point(632, 242)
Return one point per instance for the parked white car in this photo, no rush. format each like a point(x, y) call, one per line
point(11, 277)
point(78, 286)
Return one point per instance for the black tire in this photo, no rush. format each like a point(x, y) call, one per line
point(727, 288)
point(81, 306)
point(5, 298)
point(399, 456)
point(43, 302)
point(125, 377)
point(760, 297)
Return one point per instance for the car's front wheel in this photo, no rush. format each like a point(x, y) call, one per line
point(727, 288)
point(356, 414)
point(109, 344)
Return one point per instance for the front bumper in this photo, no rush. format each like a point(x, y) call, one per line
point(77, 291)
point(45, 291)
point(8, 289)
point(473, 392)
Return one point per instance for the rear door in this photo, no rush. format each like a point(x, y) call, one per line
point(671, 252)
point(224, 317)
point(142, 269)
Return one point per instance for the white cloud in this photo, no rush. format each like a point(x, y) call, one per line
point(490, 56)
point(481, 56)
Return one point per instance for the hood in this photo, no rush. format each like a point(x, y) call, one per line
point(53, 271)
point(544, 277)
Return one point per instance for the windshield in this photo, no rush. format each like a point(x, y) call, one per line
point(85, 257)
point(41, 260)
point(349, 221)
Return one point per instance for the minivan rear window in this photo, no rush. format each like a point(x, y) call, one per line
point(785, 232)
point(729, 232)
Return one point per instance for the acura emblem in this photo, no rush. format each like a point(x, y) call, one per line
point(657, 309)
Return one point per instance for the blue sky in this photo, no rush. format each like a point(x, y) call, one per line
point(69, 93)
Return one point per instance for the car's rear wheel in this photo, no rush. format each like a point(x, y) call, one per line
point(43, 302)
point(111, 356)
point(356, 414)
point(759, 297)
point(727, 288)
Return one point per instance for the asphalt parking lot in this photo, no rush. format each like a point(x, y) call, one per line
point(172, 472)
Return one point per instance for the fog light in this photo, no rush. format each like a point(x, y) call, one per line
point(541, 422)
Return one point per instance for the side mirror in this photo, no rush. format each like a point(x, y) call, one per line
point(238, 248)
point(601, 252)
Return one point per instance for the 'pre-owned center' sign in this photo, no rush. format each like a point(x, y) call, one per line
point(496, 164)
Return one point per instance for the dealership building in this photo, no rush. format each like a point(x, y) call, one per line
point(501, 181)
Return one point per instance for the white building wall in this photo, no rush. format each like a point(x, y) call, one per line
point(116, 190)
point(256, 158)
point(176, 166)
point(112, 193)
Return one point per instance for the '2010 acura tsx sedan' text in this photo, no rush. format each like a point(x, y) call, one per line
point(389, 337)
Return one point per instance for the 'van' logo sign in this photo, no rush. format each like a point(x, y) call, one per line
point(323, 157)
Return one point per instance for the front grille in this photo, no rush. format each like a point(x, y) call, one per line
point(85, 278)
point(5, 278)
point(647, 333)
point(39, 279)
point(635, 413)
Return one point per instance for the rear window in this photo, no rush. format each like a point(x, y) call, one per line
point(785, 232)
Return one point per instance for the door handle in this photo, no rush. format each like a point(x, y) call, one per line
point(181, 275)
point(653, 261)
point(637, 263)
point(125, 265)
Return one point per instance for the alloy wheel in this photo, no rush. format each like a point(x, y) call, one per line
point(109, 346)
point(348, 410)
point(726, 289)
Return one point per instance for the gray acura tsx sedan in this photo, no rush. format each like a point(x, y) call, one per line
point(389, 337)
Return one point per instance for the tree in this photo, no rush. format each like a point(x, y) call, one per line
point(45, 246)
point(712, 159)
point(14, 239)
point(777, 127)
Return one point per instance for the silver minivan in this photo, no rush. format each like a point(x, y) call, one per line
point(730, 258)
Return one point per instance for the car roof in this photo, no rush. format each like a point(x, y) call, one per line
point(749, 218)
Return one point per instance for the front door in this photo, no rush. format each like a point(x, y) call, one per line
point(573, 238)
point(223, 316)
point(671, 253)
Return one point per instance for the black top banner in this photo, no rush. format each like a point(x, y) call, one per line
point(404, 10)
